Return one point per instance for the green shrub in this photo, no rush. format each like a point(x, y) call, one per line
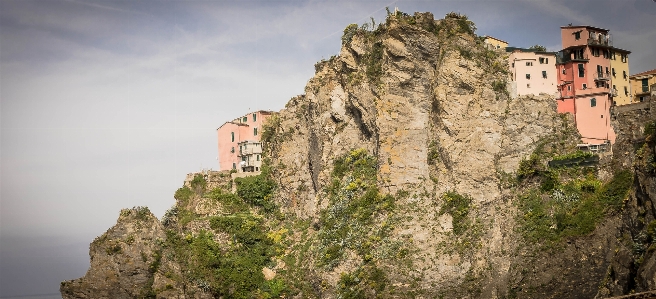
point(183, 195)
point(570, 209)
point(614, 192)
point(529, 167)
point(348, 222)
point(114, 249)
point(365, 282)
point(198, 184)
point(231, 203)
point(458, 207)
point(374, 60)
point(349, 33)
point(574, 155)
point(257, 190)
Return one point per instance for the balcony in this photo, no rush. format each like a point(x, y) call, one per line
point(575, 57)
point(602, 76)
point(601, 40)
point(250, 151)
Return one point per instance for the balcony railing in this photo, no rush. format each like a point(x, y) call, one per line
point(250, 151)
point(601, 41)
point(602, 76)
point(575, 57)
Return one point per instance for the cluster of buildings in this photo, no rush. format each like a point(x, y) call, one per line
point(587, 77)
point(239, 143)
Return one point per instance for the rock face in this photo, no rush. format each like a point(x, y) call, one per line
point(123, 260)
point(405, 170)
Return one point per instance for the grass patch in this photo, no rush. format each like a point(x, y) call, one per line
point(570, 209)
point(352, 218)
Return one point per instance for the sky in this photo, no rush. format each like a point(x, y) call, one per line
point(109, 104)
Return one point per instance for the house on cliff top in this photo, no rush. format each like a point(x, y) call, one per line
point(239, 142)
point(589, 80)
point(531, 72)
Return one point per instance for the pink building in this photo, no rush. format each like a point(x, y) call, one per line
point(239, 142)
point(532, 72)
point(584, 81)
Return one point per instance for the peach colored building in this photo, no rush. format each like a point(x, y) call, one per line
point(532, 72)
point(494, 43)
point(640, 84)
point(239, 142)
point(584, 81)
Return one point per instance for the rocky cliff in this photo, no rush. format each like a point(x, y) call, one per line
point(405, 170)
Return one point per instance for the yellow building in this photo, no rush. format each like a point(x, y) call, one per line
point(640, 85)
point(495, 43)
point(621, 87)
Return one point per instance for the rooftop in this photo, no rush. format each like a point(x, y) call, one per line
point(652, 72)
point(586, 27)
point(494, 38)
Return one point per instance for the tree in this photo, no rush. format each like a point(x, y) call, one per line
point(538, 48)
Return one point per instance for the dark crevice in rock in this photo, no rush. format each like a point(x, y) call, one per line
point(356, 113)
point(314, 159)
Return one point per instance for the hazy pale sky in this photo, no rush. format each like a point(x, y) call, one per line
point(109, 104)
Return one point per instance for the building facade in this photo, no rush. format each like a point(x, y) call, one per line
point(640, 84)
point(585, 86)
point(620, 84)
point(239, 142)
point(532, 72)
point(495, 43)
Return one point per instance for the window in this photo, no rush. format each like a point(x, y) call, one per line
point(513, 64)
point(642, 99)
point(585, 86)
point(577, 35)
point(243, 158)
point(624, 57)
point(569, 87)
point(541, 60)
point(528, 76)
point(612, 56)
point(600, 70)
point(254, 117)
point(544, 74)
point(624, 74)
point(607, 72)
point(232, 150)
point(528, 85)
point(581, 70)
point(626, 91)
point(613, 69)
point(564, 71)
point(606, 54)
point(593, 102)
point(529, 63)
point(232, 136)
point(595, 52)
point(244, 119)
point(234, 165)
point(258, 157)
point(645, 87)
point(254, 131)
